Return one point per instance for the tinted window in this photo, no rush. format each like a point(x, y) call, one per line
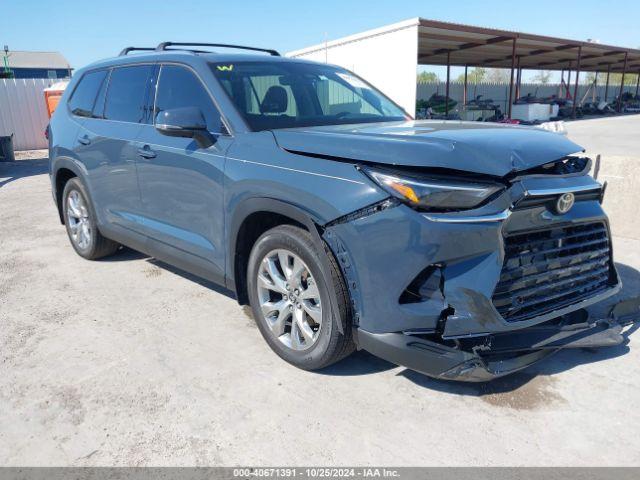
point(98, 107)
point(178, 87)
point(255, 91)
point(271, 95)
point(84, 96)
point(126, 94)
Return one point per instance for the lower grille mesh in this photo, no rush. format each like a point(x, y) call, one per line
point(550, 269)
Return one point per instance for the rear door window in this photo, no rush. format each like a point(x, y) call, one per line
point(84, 96)
point(178, 87)
point(126, 100)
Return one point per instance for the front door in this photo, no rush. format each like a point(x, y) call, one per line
point(182, 184)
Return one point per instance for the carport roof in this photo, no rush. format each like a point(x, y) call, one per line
point(493, 48)
point(489, 47)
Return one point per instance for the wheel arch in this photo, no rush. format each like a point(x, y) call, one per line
point(249, 221)
point(64, 170)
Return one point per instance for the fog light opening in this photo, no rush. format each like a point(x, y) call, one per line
point(427, 285)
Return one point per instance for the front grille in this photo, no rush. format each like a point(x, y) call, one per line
point(545, 270)
point(549, 201)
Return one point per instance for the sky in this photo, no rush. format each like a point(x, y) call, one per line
point(85, 31)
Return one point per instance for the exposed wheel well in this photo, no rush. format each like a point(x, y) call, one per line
point(62, 177)
point(252, 227)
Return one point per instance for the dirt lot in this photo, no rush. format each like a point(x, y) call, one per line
point(129, 362)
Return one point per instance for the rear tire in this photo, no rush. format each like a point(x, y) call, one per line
point(80, 222)
point(291, 303)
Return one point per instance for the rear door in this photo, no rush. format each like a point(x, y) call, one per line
point(182, 184)
point(107, 142)
point(81, 107)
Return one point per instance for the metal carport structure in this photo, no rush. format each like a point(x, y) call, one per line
point(389, 56)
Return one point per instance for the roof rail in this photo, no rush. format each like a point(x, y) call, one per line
point(164, 45)
point(124, 51)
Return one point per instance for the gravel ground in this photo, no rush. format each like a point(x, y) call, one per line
point(127, 361)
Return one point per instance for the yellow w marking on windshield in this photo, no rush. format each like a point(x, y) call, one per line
point(225, 68)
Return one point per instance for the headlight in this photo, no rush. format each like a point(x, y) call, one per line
point(433, 192)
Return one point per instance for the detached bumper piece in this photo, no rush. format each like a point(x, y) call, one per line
point(485, 358)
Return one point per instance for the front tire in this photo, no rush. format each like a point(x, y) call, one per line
point(289, 294)
point(80, 222)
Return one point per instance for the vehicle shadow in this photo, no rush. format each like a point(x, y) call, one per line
point(359, 363)
point(126, 254)
point(356, 364)
point(363, 363)
point(11, 171)
point(193, 278)
point(560, 362)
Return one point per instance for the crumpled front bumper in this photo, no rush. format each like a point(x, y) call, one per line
point(437, 292)
point(501, 354)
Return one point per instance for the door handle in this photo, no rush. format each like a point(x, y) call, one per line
point(146, 152)
point(84, 140)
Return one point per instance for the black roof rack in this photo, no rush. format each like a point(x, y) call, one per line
point(131, 49)
point(164, 45)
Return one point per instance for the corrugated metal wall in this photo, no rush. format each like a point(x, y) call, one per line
point(499, 92)
point(23, 111)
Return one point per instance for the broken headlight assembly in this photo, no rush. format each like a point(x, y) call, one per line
point(434, 193)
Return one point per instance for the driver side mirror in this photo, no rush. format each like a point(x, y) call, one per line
point(185, 122)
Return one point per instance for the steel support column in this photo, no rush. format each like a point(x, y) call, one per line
point(606, 87)
point(637, 84)
point(624, 71)
point(513, 66)
point(464, 90)
point(575, 89)
point(446, 100)
point(518, 79)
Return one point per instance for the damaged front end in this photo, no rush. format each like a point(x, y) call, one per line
point(480, 359)
point(479, 293)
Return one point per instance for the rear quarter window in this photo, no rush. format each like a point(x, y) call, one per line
point(126, 99)
point(84, 96)
point(98, 107)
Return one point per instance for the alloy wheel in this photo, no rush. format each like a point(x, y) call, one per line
point(78, 217)
point(289, 299)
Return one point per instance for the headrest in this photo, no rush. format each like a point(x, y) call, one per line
point(275, 101)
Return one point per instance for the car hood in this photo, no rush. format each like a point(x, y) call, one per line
point(485, 148)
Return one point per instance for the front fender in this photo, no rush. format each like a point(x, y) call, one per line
point(271, 205)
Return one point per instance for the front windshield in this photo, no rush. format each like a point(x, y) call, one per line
point(272, 95)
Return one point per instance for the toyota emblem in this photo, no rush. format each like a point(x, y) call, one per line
point(565, 202)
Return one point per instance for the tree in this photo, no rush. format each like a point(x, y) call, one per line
point(498, 75)
point(590, 77)
point(614, 78)
point(475, 75)
point(543, 76)
point(428, 77)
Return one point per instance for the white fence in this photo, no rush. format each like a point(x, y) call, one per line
point(499, 92)
point(23, 111)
